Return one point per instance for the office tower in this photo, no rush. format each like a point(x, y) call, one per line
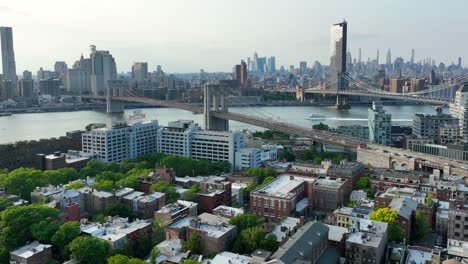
point(27, 75)
point(249, 67)
point(77, 81)
point(272, 64)
point(459, 109)
point(389, 58)
point(396, 85)
point(7, 90)
point(459, 62)
point(243, 73)
point(102, 69)
point(60, 67)
point(236, 73)
point(412, 56)
point(8, 55)
point(140, 71)
point(50, 87)
point(82, 64)
point(359, 56)
point(378, 57)
point(26, 88)
point(43, 74)
point(380, 125)
point(255, 62)
point(303, 67)
point(338, 39)
point(261, 65)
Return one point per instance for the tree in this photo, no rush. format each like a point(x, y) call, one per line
point(321, 126)
point(387, 215)
point(65, 234)
point(119, 209)
point(122, 259)
point(44, 230)
point(75, 185)
point(168, 189)
point(384, 214)
point(191, 194)
point(104, 185)
point(244, 221)
point(363, 183)
point(5, 203)
point(22, 182)
point(270, 243)
point(429, 199)
point(421, 225)
point(190, 261)
point(143, 247)
point(159, 230)
point(87, 249)
point(153, 255)
point(248, 240)
point(193, 243)
point(267, 180)
point(16, 223)
point(287, 155)
point(246, 191)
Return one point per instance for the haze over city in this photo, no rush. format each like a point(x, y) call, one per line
point(186, 36)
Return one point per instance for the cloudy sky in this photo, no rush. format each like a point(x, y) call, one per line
point(188, 35)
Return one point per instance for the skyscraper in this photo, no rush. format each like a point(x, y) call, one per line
point(255, 62)
point(103, 69)
point(378, 55)
point(303, 67)
point(459, 109)
point(243, 73)
point(412, 56)
point(140, 71)
point(389, 57)
point(272, 64)
point(380, 125)
point(8, 54)
point(459, 61)
point(338, 39)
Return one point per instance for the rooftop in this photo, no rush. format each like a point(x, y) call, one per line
point(365, 231)
point(31, 249)
point(336, 232)
point(418, 255)
point(228, 257)
point(404, 206)
point(327, 182)
point(114, 229)
point(283, 186)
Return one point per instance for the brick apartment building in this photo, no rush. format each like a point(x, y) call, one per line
point(287, 195)
point(177, 210)
point(213, 192)
point(215, 232)
point(329, 193)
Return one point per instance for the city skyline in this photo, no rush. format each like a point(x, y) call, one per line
point(229, 32)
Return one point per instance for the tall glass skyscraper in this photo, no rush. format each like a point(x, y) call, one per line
point(8, 55)
point(338, 40)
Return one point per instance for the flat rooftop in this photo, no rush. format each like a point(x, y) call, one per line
point(31, 249)
point(283, 186)
point(369, 233)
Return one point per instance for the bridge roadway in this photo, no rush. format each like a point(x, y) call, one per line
point(357, 92)
point(325, 137)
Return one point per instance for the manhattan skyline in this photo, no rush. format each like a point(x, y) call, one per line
point(187, 36)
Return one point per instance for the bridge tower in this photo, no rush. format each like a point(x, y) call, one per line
point(214, 100)
point(300, 94)
point(114, 106)
point(342, 102)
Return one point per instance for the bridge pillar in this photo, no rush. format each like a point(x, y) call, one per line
point(114, 106)
point(342, 102)
point(214, 100)
point(300, 94)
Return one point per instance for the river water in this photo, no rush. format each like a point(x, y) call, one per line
point(36, 126)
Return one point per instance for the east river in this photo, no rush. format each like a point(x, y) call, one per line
point(34, 126)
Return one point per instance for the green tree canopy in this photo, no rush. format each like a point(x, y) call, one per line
point(244, 221)
point(89, 250)
point(248, 240)
point(119, 209)
point(168, 189)
point(193, 243)
point(44, 230)
point(321, 126)
point(122, 259)
point(384, 214)
point(65, 234)
point(191, 194)
point(16, 223)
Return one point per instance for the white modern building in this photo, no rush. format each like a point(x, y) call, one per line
point(77, 81)
point(459, 110)
point(121, 141)
point(380, 125)
point(103, 69)
point(179, 138)
point(248, 158)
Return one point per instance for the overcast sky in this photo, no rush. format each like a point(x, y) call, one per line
point(189, 35)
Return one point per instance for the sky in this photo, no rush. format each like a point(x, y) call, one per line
point(214, 35)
